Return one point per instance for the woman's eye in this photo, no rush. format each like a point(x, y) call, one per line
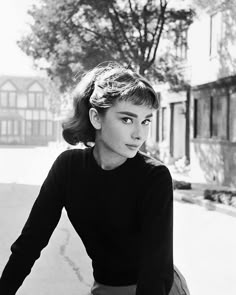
point(127, 120)
point(146, 122)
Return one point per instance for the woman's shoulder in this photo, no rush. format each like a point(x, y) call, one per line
point(72, 155)
point(152, 165)
point(149, 161)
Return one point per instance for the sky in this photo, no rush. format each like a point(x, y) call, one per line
point(13, 23)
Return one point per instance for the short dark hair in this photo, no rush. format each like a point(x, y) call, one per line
point(100, 88)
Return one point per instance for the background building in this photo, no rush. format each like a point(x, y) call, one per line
point(25, 115)
point(198, 123)
point(213, 96)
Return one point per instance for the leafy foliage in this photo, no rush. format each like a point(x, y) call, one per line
point(75, 35)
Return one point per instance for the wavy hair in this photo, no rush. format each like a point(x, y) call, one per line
point(100, 88)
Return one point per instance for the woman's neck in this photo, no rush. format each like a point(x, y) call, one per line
point(107, 160)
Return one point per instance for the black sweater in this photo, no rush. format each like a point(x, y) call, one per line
point(124, 217)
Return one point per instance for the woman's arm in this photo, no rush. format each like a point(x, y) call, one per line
point(156, 255)
point(37, 230)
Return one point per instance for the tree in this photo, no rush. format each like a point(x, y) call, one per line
point(73, 35)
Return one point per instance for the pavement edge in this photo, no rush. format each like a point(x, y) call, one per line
point(208, 205)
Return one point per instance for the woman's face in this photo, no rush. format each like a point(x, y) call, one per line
point(124, 128)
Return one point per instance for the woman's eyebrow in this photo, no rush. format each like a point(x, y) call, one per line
point(133, 114)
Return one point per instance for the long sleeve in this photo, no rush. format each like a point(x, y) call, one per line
point(156, 243)
point(37, 230)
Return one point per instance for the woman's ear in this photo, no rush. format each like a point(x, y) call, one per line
point(95, 118)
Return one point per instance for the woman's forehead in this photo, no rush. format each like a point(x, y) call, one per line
point(129, 106)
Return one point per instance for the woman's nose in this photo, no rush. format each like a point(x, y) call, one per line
point(137, 133)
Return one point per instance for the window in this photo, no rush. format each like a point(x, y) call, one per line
point(3, 127)
point(35, 100)
point(39, 100)
point(219, 117)
point(16, 127)
point(9, 127)
point(215, 33)
point(181, 44)
point(49, 128)
point(12, 99)
point(8, 99)
point(32, 128)
point(31, 100)
point(4, 99)
point(35, 128)
point(180, 38)
point(232, 118)
point(164, 124)
point(38, 128)
point(211, 115)
point(42, 128)
point(28, 130)
point(202, 117)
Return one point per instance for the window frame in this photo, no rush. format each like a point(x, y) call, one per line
point(219, 114)
point(38, 101)
point(216, 113)
point(232, 125)
point(11, 125)
point(200, 119)
point(8, 97)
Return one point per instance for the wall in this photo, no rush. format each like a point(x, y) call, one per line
point(213, 162)
point(212, 45)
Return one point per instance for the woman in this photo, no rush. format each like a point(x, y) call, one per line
point(118, 199)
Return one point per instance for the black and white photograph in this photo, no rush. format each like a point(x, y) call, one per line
point(117, 147)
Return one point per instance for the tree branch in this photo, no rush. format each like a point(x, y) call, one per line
point(159, 34)
point(123, 33)
point(145, 23)
point(116, 40)
point(138, 26)
point(156, 37)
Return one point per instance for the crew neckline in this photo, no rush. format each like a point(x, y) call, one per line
point(96, 166)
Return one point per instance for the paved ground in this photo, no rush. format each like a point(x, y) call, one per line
point(204, 249)
point(26, 165)
point(63, 267)
point(204, 240)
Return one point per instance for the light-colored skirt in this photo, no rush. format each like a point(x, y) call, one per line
point(179, 287)
point(100, 289)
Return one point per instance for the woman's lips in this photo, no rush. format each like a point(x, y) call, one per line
point(132, 147)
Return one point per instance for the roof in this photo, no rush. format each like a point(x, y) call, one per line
point(22, 84)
